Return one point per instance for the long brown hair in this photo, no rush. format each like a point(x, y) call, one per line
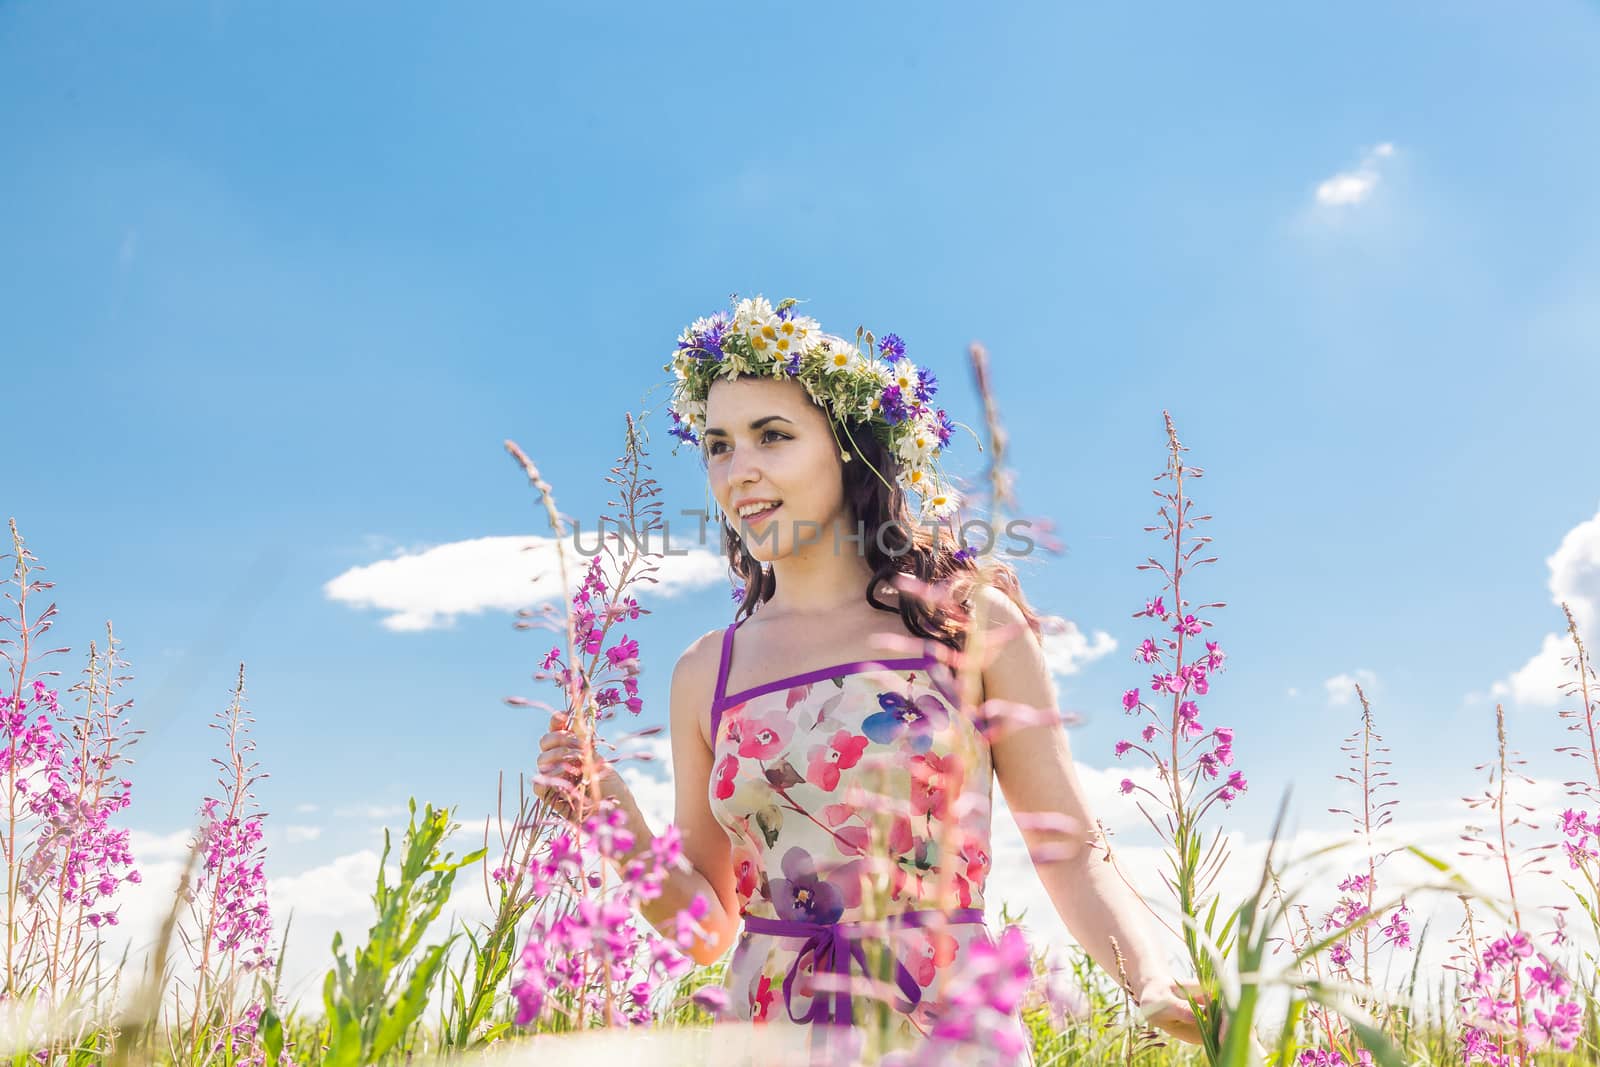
point(924, 553)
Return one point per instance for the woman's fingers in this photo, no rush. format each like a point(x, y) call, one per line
point(558, 737)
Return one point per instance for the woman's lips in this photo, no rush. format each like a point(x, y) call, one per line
point(759, 517)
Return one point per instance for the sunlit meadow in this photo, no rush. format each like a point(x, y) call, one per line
point(577, 953)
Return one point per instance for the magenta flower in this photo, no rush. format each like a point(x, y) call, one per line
point(765, 736)
point(986, 992)
point(623, 654)
point(1130, 699)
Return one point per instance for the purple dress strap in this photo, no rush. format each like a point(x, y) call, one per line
point(832, 946)
point(722, 680)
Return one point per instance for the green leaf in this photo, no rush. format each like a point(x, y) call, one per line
point(271, 1030)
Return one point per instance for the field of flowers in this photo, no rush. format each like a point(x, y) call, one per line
point(578, 959)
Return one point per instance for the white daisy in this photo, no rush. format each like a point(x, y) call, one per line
point(801, 332)
point(758, 322)
point(905, 376)
point(838, 358)
point(917, 444)
point(914, 480)
point(942, 503)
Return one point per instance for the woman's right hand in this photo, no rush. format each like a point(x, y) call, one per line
point(561, 757)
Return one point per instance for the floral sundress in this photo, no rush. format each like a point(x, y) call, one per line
point(811, 775)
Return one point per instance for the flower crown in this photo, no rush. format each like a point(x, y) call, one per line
point(890, 394)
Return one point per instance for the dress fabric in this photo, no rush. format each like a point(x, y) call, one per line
point(803, 769)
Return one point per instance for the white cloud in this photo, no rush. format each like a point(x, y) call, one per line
point(1293, 691)
point(1354, 186)
point(305, 809)
point(1575, 579)
point(1342, 687)
point(372, 811)
point(151, 848)
point(295, 835)
point(428, 588)
point(1068, 648)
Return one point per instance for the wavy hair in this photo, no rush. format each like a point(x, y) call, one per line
point(894, 544)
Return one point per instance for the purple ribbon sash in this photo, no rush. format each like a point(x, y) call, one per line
point(831, 947)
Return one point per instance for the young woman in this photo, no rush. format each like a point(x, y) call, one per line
point(825, 773)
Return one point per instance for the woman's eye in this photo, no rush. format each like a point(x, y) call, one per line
point(711, 449)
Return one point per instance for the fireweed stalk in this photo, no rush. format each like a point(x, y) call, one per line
point(1178, 766)
point(1368, 774)
point(587, 961)
point(1581, 832)
point(1516, 999)
point(983, 995)
point(228, 926)
point(61, 775)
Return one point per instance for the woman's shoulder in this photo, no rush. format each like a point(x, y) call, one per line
point(701, 657)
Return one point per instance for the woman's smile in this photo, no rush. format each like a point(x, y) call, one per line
point(760, 517)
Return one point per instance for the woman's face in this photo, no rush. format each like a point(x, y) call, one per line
point(766, 441)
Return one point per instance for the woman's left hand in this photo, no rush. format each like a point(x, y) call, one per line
point(1168, 1010)
point(1163, 1005)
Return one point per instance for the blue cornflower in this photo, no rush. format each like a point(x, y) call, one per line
point(966, 553)
point(927, 384)
point(894, 408)
point(706, 342)
point(793, 366)
point(945, 428)
point(892, 346)
point(738, 593)
point(680, 429)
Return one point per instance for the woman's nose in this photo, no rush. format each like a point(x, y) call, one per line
point(744, 470)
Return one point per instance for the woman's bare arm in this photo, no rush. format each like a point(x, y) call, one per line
point(705, 842)
point(1033, 763)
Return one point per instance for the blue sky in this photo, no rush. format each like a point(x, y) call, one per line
point(279, 281)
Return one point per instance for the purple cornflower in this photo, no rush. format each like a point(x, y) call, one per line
point(891, 346)
point(738, 593)
point(945, 428)
point(680, 429)
point(893, 406)
point(927, 385)
point(706, 337)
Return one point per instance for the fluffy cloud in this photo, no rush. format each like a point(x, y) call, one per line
point(1342, 687)
point(1067, 648)
point(428, 588)
point(1575, 580)
point(1351, 187)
